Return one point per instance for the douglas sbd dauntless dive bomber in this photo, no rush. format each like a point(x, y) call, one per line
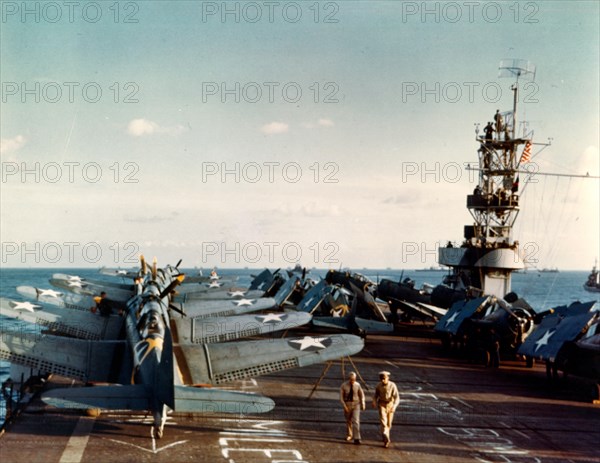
point(155, 354)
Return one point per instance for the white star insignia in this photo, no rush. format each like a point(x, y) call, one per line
point(307, 303)
point(237, 293)
point(121, 272)
point(452, 318)
point(271, 317)
point(214, 284)
point(307, 342)
point(241, 302)
point(48, 292)
point(75, 278)
point(24, 306)
point(76, 284)
point(543, 341)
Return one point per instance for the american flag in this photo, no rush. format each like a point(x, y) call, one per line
point(526, 156)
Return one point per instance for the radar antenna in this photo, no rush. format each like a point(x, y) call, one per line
point(516, 68)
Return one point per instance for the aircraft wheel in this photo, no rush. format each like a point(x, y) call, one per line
point(529, 362)
point(551, 371)
point(446, 344)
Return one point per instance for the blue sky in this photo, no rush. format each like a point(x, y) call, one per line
point(134, 168)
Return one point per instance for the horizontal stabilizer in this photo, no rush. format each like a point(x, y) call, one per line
point(209, 400)
point(131, 397)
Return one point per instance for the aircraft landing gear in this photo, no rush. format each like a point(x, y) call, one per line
point(160, 416)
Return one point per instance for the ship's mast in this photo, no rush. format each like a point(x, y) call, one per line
point(488, 255)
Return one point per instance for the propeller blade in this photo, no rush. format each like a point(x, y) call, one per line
point(177, 281)
point(172, 307)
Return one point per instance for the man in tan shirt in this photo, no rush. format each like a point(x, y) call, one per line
point(386, 399)
point(353, 401)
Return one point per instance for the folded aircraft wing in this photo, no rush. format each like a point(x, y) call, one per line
point(218, 295)
point(57, 298)
point(88, 288)
point(118, 272)
point(452, 321)
point(433, 311)
point(84, 360)
point(373, 326)
point(314, 296)
point(223, 308)
point(564, 325)
point(76, 323)
point(219, 329)
point(224, 362)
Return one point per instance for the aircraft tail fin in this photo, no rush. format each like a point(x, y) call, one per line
point(163, 381)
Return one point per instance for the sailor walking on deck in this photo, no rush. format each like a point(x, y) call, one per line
point(353, 401)
point(386, 400)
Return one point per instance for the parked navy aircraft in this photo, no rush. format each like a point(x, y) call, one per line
point(65, 299)
point(333, 306)
point(454, 326)
point(412, 302)
point(153, 364)
point(568, 340)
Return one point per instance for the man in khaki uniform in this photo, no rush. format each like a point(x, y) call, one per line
point(353, 401)
point(386, 399)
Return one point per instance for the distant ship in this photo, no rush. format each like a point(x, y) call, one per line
point(592, 284)
point(431, 269)
point(548, 270)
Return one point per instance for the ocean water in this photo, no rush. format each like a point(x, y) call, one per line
point(541, 290)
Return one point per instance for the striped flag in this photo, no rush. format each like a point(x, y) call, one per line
point(526, 156)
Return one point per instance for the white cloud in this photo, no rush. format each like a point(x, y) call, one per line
point(140, 127)
point(320, 123)
point(274, 128)
point(325, 122)
point(310, 209)
point(10, 145)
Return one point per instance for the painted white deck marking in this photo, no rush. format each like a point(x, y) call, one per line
point(78, 441)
